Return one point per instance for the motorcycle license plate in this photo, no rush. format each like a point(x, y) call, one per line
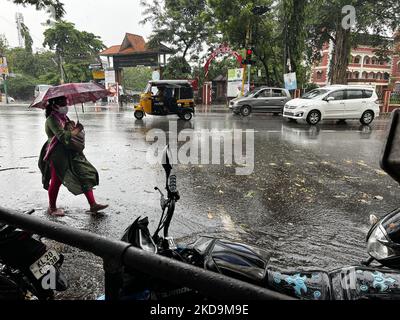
point(42, 266)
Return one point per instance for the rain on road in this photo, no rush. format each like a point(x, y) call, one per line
point(307, 202)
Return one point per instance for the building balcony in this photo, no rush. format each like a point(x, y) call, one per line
point(380, 81)
point(377, 66)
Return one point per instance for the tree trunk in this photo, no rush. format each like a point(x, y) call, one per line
point(62, 69)
point(267, 76)
point(340, 59)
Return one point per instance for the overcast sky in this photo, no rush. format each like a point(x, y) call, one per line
point(109, 19)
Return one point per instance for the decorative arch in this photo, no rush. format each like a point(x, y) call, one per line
point(222, 49)
point(357, 59)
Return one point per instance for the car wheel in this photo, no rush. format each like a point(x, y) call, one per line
point(187, 116)
point(367, 118)
point(139, 115)
point(245, 111)
point(314, 117)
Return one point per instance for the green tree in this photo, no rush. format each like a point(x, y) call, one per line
point(45, 4)
point(239, 24)
point(136, 78)
point(21, 61)
point(294, 32)
point(3, 44)
point(177, 68)
point(75, 50)
point(21, 87)
point(27, 37)
point(372, 17)
point(183, 24)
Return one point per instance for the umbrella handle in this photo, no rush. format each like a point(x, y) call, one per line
point(76, 111)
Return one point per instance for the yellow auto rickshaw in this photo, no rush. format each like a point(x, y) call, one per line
point(166, 97)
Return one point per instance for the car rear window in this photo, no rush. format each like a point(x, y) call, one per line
point(368, 93)
point(278, 93)
point(354, 94)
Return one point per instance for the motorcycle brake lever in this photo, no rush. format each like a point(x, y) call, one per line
point(163, 201)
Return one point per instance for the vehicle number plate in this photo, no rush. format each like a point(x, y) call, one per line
point(42, 266)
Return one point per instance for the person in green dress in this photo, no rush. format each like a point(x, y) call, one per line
point(61, 165)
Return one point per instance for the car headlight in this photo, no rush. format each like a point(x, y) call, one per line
point(378, 245)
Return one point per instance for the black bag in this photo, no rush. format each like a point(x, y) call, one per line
point(77, 143)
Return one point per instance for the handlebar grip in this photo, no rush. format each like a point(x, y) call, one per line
point(172, 184)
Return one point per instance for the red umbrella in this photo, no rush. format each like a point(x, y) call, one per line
point(75, 93)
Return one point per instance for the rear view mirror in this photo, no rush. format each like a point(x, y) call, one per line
point(390, 161)
point(330, 99)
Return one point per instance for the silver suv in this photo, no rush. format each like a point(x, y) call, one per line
point(263, 99)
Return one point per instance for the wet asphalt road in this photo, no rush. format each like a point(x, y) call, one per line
point(307, 202)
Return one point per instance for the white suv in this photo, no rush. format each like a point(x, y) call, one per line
point(337, 102)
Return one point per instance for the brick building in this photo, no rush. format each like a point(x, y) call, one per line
point(364, 68)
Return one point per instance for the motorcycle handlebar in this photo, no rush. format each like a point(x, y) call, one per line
point(172, 184)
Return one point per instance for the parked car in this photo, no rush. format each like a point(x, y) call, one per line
point(268, 100)
point(338, 102)
point(41, 88)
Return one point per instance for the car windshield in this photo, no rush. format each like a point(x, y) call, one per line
point(252, 93)
point(315, 94)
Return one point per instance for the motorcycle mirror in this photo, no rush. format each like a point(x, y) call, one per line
point(373, 219)
point(390, 159)
point(166, 161)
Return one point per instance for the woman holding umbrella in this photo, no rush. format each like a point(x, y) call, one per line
point(61, 164)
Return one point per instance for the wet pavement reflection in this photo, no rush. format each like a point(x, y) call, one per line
point(308, 200)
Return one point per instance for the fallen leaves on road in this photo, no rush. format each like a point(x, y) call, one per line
point(250, 194)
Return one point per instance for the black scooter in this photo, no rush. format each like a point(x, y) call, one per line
point(250, 264)
point(28, 271)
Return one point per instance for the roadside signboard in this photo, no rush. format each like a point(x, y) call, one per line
point(3, 66)
point(290, 81)
point(235, 82)
point(235, 74)
point(110, 76)
point(98, 74)
point(155, 76)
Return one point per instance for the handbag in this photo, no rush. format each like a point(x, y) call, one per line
point(77, 142)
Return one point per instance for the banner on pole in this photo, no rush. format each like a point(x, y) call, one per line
point(290, 81)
